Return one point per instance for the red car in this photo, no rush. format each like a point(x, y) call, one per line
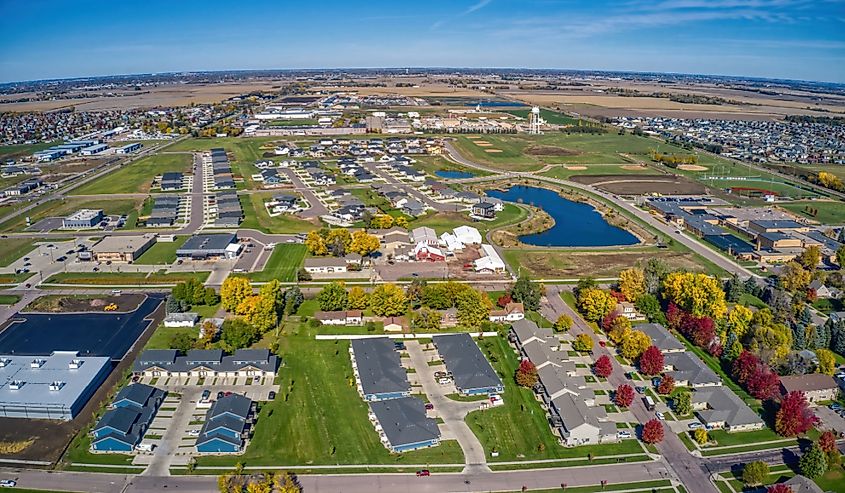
point(423, 472)
point(429, 406)
point(602, 344)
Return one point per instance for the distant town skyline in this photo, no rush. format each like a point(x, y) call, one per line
point(789, 39)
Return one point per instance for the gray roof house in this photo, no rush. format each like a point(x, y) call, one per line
point(379, 373)
point(470, 369)
point(662, 338)
point(403, 424)
point(719, 407)
point(688, 370)
point(207, 362)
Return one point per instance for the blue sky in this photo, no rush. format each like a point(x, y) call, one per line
point(797, 39)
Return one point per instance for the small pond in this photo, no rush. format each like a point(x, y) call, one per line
point(453, 174)
point(576, 224)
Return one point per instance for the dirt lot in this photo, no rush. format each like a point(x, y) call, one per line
point(83, 303)
point(540, 150)
point(642, 184)
point(562, 264)
point(453, 268)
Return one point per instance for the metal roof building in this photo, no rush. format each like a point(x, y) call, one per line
point(208, 246)
point(404, 425)
point(378, 370)
point(470, 369)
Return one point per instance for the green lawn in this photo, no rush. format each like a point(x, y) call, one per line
point(163, 335)
point(9, 299)
point(283, 263)
point(256, 216)
point(318, 416)
point(447, 221)
point(830, 211)
point(561, 172)
point(138, 176)
point(551, 117)
point(162, 252)
point(518, 429)
point(12, 249)
point(21, 150)
point(67, 206)
point(244, 151)
point(125, 278)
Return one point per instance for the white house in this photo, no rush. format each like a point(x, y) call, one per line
point(468, 235)
point(510, 313)
point(187, 319)
point(491, 261)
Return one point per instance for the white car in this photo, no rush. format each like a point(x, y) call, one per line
point(193, 433)
point(623, 434)
point(695, 425)
point(8, 483)
point(660, 415)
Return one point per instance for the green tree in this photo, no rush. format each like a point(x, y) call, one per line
point(755, 473)
point(237, 334)
point(526, 292)
point(682, 403)
point(583, 343)
point(425, 319)
point(210, 297)
point(473, 308)
point(388, 300)
point(293, 298)
point(333, 297)
point(233, 291)
point(182, 341)
point(813, 463)
point(563, 323)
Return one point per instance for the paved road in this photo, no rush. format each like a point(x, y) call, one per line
point(725, 263)
point(410, 189)
point(317, 208)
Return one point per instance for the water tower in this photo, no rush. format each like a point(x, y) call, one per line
point(534, 123)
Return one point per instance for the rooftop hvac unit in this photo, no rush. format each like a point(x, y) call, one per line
point(16, 384)
point(37, 363)
point(4, 362)
point(74, 364)
point(57, 385)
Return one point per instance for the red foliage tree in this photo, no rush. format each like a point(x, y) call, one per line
point(624, 395)
point(651, 361)
point(764, 383)
point(504, 300)
point(779, 488)
point(715, 348)
point(667, 385)
point(744, 366)
point(618, 295)
point(827, 442)
point(526, 374)
point(653, 431)
point(794, 416)
point(674, 316)
point(607, 321)
point(603, 367)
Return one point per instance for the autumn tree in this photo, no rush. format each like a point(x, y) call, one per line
point(755, 473)
point(779, 488)
point(634, 344)
point(364, 243)
point(358, 299)
point(700, 435)
point(667, 385)
point(827, 362)
point(653, 431)
point(315, 244)
point(698, 294)
point(527, 292)
point(603, 367)
point(388, 300)
point(259, 311)
point(813, 463)
point(473, 307)
point(333, 297)
point(632, 283)
point(595, 303)
point(563, 323)
point(739, 320)
point(810, 257)
point(794, 417)
point(651, 361)
point(503, 300)
point(763, 384)
point(526, 374)
point(794, 277)
point(583, 343)
point(624, 395)
point(234, 290)
point(425, 319)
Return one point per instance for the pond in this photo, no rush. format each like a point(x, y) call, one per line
point(576, 224)
point(453, 174)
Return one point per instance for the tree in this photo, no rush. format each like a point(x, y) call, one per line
point(700, 436)
point(651, 361)
point(755, 473)
point(813, 463)
point(388, 300)
point(503, 300)
point(667, 385)
point(794, 416)
point(274, 291)
point(233, 291)
point(526, 374)
point(779, 488)
point(632, 283)
point(237, 334)
point(794, 277)
point(286, 483)
point(526, 292)
point(734, 289)
point(653, 431)
point(739, 320)
point(210, 297)
point(583, 343)
point(414, 292)
point(617, 328)
point(682, 403)
point(827, 442)
point(364, 243)
point(634, 344)
point(624, 395)
point(358, 299)
point(174, 305)
point(315, 244)
point(182, 341)
point(649, 306)
point(763, 384)
point(595, 303)
point(260, 312)
point(473, 307)
point(425, 319)
point(402, 222)
point(744, 366)
point(840, 257)
point(698, 294)
point(333, 297)
point(810, 257)
point(178, 291)
point(827, 362)
point(655, 270)
point(293, 298)
point(603, 367)
point(563, 323)
point(198, 297)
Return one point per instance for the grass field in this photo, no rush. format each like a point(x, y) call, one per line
point(12, 249)
point(244, 151)
point(162, 252)
point(318, 416)
point(283, 264)
point(138, 176)
point(257, 217)
point(9, 299)
point(124, 278)
point(447, 221)
point(518, 429)
point(561, 172)
point(830, 211)
point(64, 207)
point(551, 117)
point(16, 151)
point(431, 164)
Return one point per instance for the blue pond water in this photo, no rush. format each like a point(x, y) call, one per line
point(576, 223)
point(450, 173)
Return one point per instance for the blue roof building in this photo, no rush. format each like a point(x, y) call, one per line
point(226, 425)
point(123, 426)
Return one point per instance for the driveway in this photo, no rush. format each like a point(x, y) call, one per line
point(452, 412)
point(829, 420)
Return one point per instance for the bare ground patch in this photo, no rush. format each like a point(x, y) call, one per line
point(84, 303)
point(575, 168)
point(642, 184)
point(493, 151)
point(692, 167)
point(564, 264)
point(542, 150)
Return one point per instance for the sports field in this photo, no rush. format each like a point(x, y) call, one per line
point(138, 176)
point(829, 211)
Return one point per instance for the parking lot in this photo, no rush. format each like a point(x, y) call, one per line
point(829, 419)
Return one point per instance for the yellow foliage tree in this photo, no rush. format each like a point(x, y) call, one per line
point(827, 362)
point(388, 300)
point(740, 319)
point(358, 299)
point(382, 221)
point(699, 294)
point(315, 244)
point(632, 283)
point(595, 303)
point(364, 243)
point(634, 344)
point(794, 277)
point(234, 290)
point(402, 222)
point(619, 328)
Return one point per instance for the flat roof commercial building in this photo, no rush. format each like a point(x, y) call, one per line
point(122, 248)
point(83, 219)
point(402, 424)
point(128, 148)
point(210, 246)
point(470, 369)
point(378, 370)
point(49, 387)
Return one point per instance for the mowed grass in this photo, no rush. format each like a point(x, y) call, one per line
point(830, 211)
point(9, 299)
point(21, 150)
point(283, 263)
point(162, 252)
point(243, 151)
point(125, 278)
point(447, 221)
point(12, 249)
point(138, 176)
point(67, 206)
point(256, 216)
point(318, 417)
point(563, 173)
point(518, 430)
point(550, 116)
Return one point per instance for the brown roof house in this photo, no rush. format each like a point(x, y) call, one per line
point(815, 386)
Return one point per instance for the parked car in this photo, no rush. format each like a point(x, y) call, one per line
point(835, 406)
point(694, 425)
point(429, 406)
point(423, 472)
point(8, 483)
point(220, 395)
point(640, 390)
point(61, 259)
point(660, 415)
point(205, 395)
point(602, 344)
point(271, 395)
point(623, 434)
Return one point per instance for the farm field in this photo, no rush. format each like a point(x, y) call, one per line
point(61, 208)
point(138, 176)
point(283, 264)
point(256, 216)
point(162, 252)
point(302, 426)
point(830, 211)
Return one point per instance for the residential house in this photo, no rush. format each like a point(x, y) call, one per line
point(226, 425)
point(378, 370)
point(816, 387)
point(510, 313)
point(720, 408)
point(325, 265)
point(348, 317)
point(471, 371)
point(122, 427)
